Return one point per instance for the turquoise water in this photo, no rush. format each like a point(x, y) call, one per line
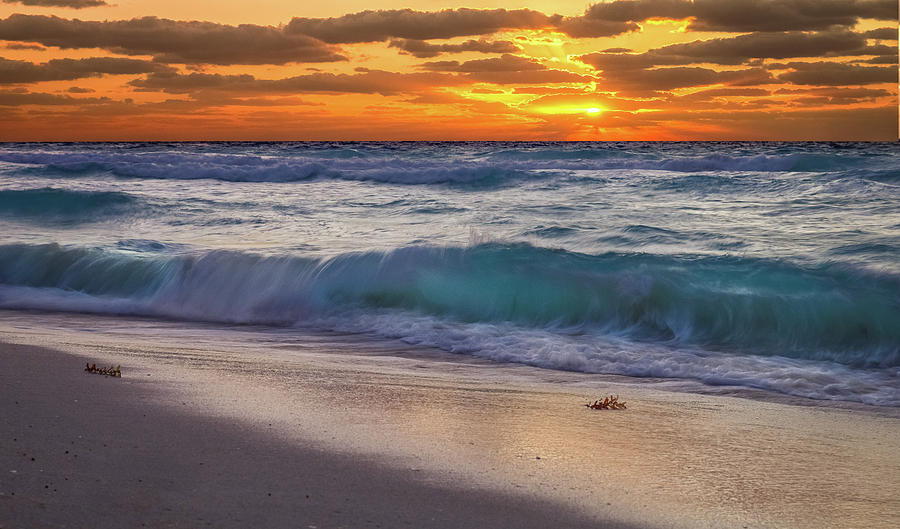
point(767, 265)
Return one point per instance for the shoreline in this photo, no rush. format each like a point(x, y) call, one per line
point(492, 441)
point(86, 462)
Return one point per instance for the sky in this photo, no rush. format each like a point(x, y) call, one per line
point(86, 70)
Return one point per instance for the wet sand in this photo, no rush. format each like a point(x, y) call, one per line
point(233, 428)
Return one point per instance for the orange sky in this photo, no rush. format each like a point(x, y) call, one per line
point(279, 70)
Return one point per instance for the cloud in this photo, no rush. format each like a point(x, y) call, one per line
point(835, 95)
point(12, 71)
point(372, 26)
point(362, 82)
point(660, 79)
point(177, 83)
point(745, 15)
point(882, 34)
point(172, 41)
point(836, 74)
point(504, 63)
point(461, 103)
point(642, 72)
point(14, 98)
point(600, 20)
point(735, 50)
point(19, 46)
point(424, 50)
point(621, 61)
point(80, 90)
point(638, 10)
point(741, 49)
point(715, 93)
point(529, 77)
point(263, 102)
point(508, 69)
point(549, 90)
point(714, 98)
point(587, 27)
point(883, 59)
point(781, 15)
point(74, 4)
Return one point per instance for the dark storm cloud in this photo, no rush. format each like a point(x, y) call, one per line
point(836, 74)
point(74, 4)
point(425, 50)
point(362, 82)
point(372, 26)
point(12, 71)
point(746, 15)
point(742, 48)
point(172, 41)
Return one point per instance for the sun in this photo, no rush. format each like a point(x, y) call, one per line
point(591, 108)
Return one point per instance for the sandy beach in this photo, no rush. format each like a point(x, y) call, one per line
point(207, 427)
point(369, 264)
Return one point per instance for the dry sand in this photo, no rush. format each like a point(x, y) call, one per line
point(235, 428)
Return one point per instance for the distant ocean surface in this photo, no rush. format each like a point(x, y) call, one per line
point(764, 265)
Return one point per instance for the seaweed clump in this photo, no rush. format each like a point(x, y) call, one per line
point(110, 371)
point(608, 403)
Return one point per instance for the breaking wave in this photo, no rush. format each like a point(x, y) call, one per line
point(723, 320)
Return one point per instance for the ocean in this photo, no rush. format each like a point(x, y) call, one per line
point(773, 266)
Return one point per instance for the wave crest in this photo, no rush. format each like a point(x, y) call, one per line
point(51, 204)
point(745, 306)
